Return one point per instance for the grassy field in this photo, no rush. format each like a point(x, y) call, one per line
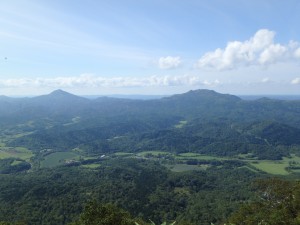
point(190, 155)
point(4, 154)
point(15, 162)
point(155, 153)
point(58, 158)
point(18, 152)
point(123, 154)
point(74, 121)
point(271, 167)
point(21, 134)
point(181, 124)
point(184, 167)
point(276, 167)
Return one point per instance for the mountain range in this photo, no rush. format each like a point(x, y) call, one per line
point(201, 121)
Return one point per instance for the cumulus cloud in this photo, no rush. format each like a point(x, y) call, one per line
point(258, 50)
point(296, 81)
point(272, 53)
point(266, 80)
point(91, 81)
point(169, 62)
point(297, 53)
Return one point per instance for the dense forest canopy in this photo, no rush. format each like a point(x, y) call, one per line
point(192, 157)
point(211, 123)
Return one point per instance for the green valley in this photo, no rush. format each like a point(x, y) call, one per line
point(193, 157)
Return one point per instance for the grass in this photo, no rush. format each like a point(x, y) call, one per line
point(249, 167)
point(293, 158)
point(78, 150)
point(15, 162)
point(191, 155)
point(21, 134)
point(184, 167)
point(58, 158)
point(2, 144)
point(18, 152)
point(4, 154)
point(276, 167)
point(155, 153)
point(74, 121)
point(123, 154)
point(181, 124)
point(272, 167)
point(268, 166)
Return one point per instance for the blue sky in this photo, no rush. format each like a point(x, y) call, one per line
point(149, 46)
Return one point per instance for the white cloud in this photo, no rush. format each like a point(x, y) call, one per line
point(258, 50)
point(266, 80)
point(91, 81)
point(272, 53)
point(297, 53)
point(296, 81)
point(169, 62)
point(211, 83)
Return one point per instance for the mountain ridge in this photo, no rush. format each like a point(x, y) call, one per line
point(194, 103)
point(201, 121)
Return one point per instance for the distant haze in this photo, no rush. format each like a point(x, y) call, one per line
point(141, 97)
point(280, 97)
point(148, 97)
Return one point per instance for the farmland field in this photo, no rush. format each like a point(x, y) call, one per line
point(276, 167)
point(155, 153)
point(18, 152)
point(58, 158)
point(279, 167)
point(272, 167)
point(123, 154)
point(184, 167)
point(181, 124)
point(191, 155)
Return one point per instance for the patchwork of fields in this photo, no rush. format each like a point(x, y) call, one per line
point(274, 167)
point(175, 162)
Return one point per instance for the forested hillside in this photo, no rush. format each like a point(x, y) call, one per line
point(199, 121)
point(144, 188)
point(190, 157)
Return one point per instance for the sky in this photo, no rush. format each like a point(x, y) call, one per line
point(159, 47)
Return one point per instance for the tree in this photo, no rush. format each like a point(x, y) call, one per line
point(107, 214)
point(278, 204)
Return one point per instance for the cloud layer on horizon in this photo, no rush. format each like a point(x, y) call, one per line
point(91, 81)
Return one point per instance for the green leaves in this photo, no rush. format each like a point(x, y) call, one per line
point(152, 223)
point(108, 214)
point(278, 203)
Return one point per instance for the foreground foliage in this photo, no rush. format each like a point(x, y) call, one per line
point(142, 187)
point(95, 214)
point(278, 203)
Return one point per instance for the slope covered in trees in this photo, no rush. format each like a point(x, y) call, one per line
point(89, 138)
point(214, 123)
point(144, 188)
